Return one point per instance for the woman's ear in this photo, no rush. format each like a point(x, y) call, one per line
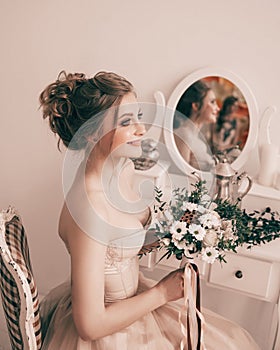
point(195, 106)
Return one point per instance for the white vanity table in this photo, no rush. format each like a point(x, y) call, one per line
point(246, 288)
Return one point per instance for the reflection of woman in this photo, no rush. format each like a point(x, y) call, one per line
point(106, 306)
point(227, 134)
point(197, 108)
point(231, 127)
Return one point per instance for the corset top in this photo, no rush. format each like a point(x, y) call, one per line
point(122, 267)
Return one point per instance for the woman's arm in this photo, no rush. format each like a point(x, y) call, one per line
point(151, 243)
point(92, 318)
point(182, 147)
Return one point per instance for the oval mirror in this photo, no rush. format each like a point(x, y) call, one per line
point(211, 113)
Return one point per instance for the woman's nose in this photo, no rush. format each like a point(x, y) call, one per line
point(140, 129)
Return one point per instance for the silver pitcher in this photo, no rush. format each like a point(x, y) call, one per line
point(229, 183)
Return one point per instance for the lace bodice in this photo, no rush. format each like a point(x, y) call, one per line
point(122, 267)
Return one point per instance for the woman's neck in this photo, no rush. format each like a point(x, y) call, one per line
point(192, 124)
point(195, 119)
point(99, 170)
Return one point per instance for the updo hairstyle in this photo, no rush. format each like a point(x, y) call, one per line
point(74, 99)
point(194, 94)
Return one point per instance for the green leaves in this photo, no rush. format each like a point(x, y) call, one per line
point(254, 228)
point(199, 191)
point(235, 226)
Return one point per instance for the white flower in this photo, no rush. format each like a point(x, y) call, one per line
point(201, 209)
point(205, 198)
point(225, 224)
point(209, 254)
point(189, 206)
point(197, 231)
point(228, 234)
point(227, 229)
point(188, 249)
point(165, 241)
point(213, 206)
point(179, 244)
point(178, 230)
point(211, 220)
point(210, 239)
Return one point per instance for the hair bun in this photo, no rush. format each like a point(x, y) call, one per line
point(103, 81)
point(74, 99)
point(56, 99)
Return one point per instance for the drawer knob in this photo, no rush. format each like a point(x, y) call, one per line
point(238, 274)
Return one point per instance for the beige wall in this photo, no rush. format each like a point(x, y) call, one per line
point(153, 43)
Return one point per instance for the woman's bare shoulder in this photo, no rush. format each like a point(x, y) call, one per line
point(84, 226)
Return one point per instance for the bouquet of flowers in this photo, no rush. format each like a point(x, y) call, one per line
point(193, 225)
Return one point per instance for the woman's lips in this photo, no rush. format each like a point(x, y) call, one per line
point(135, 143)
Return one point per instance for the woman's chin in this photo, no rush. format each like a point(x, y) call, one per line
point(135, 153)
point(128, 151)
point(212, 119)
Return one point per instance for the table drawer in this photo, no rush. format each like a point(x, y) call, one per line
point(243, 274)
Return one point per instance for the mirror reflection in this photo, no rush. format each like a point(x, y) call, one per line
point(211, 120)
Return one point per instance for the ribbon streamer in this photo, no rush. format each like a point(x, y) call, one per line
point(190, 318)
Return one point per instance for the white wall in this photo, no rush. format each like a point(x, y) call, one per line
point(153, 43)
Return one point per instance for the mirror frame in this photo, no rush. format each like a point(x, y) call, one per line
point(174, 99)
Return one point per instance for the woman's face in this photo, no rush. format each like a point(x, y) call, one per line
point(209, 110)
point(129, 130)
point(234, 107)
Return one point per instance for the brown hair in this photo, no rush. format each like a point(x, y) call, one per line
point(195, 93)
point(74, 99)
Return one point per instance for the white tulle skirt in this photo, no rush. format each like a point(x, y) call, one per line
point(157, 330)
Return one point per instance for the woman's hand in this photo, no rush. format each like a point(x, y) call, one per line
point(172, 285)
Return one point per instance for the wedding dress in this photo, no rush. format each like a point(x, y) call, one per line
point(157, 330)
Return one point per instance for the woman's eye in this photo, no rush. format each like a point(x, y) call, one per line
point(126, 122)
point(140, 115)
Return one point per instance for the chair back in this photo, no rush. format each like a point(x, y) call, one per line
point(18, 289)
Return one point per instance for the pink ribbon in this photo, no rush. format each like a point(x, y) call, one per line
point(190, 318)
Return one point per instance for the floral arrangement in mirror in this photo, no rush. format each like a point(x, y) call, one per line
point(194, 225)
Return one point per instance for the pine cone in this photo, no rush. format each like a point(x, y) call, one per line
point(187, 217)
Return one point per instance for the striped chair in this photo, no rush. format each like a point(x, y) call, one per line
point(18, 290)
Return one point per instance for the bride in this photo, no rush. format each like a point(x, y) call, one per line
point(107, 304)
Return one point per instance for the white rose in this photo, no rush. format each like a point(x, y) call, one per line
point(210, 239)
